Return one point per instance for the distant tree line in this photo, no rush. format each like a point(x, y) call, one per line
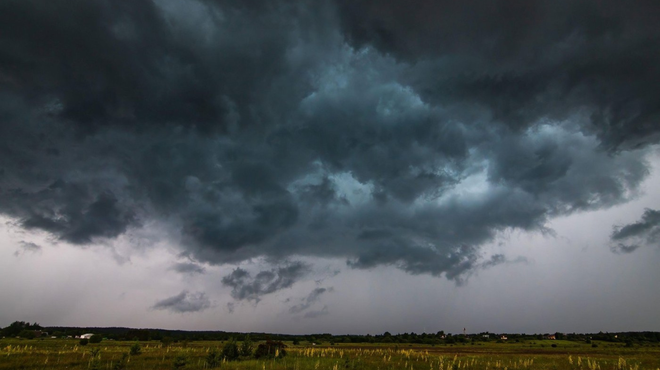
point(23, 329)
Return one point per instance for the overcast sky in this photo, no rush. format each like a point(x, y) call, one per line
point(331, 166)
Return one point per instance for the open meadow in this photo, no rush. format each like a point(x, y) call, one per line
point(69, 354)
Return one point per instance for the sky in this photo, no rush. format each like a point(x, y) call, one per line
point(332, 166)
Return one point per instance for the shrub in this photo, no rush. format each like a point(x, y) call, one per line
point(95, 338)
point(83, 342)
point(270, 349)
point(553, 345)
point(136, 350)
point(594, 345)
point(213, 359)
point(121, 364)
point(180, 361)
point(247, 347)
point(230, 350)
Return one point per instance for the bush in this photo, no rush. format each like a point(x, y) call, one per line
point(230, 350)
point(270, 349)
point(180, 361)
point(247, 347)
point(594, 345)
point(121, 364)
point(95, 338)
point(213, 359)
point(136, 350)
point(553, 345)
point(83, 342)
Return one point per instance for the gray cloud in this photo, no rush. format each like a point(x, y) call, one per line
point(184, 302)
point(26, 247)
point(313, 297)
point(246, 287)
point(349, 130)
point(315, 314)
point(628, 238)
point(188, 268)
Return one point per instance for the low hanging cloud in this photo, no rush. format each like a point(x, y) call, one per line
point(27, 247)
point(628, 238)
point(377, 133)
point(184, 302)
point(190, 268)
point(316, 314)
point(246, 287)
point(308, 301)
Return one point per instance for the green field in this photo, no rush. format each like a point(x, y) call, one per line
point(540, 354)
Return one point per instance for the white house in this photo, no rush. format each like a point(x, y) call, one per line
point(86, 336)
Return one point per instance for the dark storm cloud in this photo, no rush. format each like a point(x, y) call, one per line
point(244, 286)
point(184, 302)
point(313, 297)
point(527, 60)
point(349, 130)
point(628, 238)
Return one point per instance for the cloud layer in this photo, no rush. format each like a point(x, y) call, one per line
point(339, 129)
point(184, 302)
point(626, 239)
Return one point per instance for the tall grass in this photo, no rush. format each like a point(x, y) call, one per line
point(66, 354)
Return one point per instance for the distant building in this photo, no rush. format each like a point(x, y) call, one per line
point(552, 337)
point(503, 337)
point(86, 336)
point(486, 335)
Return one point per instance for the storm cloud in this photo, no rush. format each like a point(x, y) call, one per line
point(305, 303)
point(628, 238)
point(184, 302)
point(188, 268)
point(246, 287)
point(339, 129)
point(25, 247)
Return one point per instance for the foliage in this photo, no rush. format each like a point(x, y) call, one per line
point(136, 350)
point(62, 354)
point(95, 359)
point(27, 334)
point(214, 358)
point(247, 347)
point(230, 350)
point(180, 361)
point(270, 349)
point(17, 327)
point(83, 342)
point(122, 363)
point(96, 338)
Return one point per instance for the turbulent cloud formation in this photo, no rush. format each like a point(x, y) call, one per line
point(628, 238)
point(184, 302)
point(246, 287)
point(308, 301)
point(343, 129)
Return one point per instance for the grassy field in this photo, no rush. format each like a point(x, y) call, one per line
point(68, 354)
